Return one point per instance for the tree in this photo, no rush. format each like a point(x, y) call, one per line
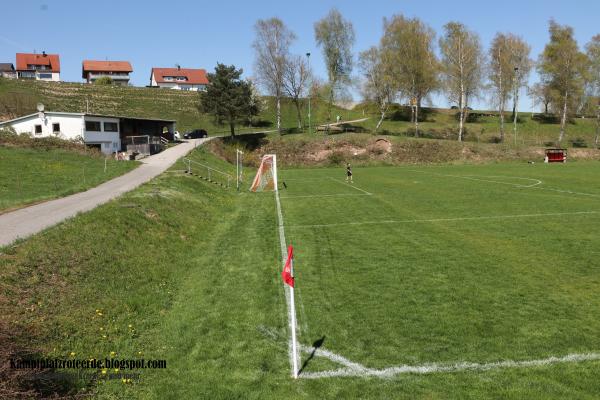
point(564, 69)
point(509, 68)
point(462, 61)
point(272, 46)
point(227, 97)
point(295, 80)
point(541, 93)
point(336, 36)
point(378, 85)
point(593, 53)
point(408, 54)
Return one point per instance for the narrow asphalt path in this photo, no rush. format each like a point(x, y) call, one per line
point(30, 220)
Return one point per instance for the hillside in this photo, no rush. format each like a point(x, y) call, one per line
point(20, 98)
point(482, 126)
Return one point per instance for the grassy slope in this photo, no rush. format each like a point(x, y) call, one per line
point(194, 270)
point(32, 175)
point(530, 132)
point(143, 102)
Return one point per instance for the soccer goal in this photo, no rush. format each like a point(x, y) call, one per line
point(266, 176)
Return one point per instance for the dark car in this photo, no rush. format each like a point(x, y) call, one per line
point(196, 134)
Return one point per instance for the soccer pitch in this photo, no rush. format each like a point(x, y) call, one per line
point(445, 268)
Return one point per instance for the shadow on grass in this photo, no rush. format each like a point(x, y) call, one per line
point(316, 345)
point(250, 141)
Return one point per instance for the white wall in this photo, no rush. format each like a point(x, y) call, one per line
point(71, 126)
point(109, 141)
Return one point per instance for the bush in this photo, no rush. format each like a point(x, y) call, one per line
point(337, 158)
point(578, 143)
point(105, 80)
point(496, 139)
point(9, 138)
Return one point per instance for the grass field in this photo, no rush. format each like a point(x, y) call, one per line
point(32, 175)
point(409, 266)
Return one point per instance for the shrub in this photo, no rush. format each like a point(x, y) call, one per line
point(578, 143)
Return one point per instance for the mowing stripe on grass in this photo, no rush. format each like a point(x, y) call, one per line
point(357, 370)
point(413, 221)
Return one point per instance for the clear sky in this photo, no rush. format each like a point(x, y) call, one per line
point(202, 33)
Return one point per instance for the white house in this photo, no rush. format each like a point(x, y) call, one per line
point(104, 132)
point(44, 67)
point(179, 78)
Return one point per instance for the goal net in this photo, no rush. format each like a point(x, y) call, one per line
point(266, 176)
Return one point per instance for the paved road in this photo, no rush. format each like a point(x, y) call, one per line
point(29, 220)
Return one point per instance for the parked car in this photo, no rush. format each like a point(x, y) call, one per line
point(196, 134)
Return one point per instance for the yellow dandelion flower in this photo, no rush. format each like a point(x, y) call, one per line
point(131, 326)
point(103, 336)
point(112, 354)
point(104, 371)
point(72, 354)
point(124, 380)
point(116, 369)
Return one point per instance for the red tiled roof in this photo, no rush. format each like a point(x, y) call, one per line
point(194, 76)
point(107, 66)
point(25, 59)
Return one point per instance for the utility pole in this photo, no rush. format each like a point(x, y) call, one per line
point(516, 102)
point(309, 94)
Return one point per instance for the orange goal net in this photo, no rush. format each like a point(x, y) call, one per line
point(266, 176)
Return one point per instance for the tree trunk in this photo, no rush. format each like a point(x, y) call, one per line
point(502, 124)
point(546, 104)
point(299, 113)
point(279, 114)
point(563, 120)
point(597, 127)
point(416, 120)
point(232, 129)
point(462, 113)
point(380, 120)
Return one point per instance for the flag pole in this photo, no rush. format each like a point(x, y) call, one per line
point(293, 312)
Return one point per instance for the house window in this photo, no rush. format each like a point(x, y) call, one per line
point(111, 127)
point(92, 126)
point(181, 78)
point(168, 78)
point(38, 129)
point(56, 128)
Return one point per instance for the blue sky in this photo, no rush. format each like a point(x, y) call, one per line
point(202, 33)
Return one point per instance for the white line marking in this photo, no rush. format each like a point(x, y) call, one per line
point(411, 221)
point(357, 370)
point(285, 287)
point(534, 186)
point(480, 179)
point(567, 191)
point(351, 185)
point(325, 195)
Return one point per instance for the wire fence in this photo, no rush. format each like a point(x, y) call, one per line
point(208, 173)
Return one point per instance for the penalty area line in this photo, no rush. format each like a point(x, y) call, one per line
point(357, 370)
point(325, 195)
point(414, 221)
point(352, 186)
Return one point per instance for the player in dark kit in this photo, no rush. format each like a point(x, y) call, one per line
point(348, 173)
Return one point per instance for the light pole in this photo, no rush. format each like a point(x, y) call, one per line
point(309, 94)
point(516, 102)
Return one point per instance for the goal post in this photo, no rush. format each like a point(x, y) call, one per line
point(266, 176)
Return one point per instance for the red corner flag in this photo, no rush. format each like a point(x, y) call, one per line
point(286, 274)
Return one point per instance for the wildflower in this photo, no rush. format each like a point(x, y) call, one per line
point(72, 354)
point(112, 354)
point(104, 371)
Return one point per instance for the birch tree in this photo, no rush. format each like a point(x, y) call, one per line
point(295, 82)
point(271, 46)
point(462, 67)
point(378, 85)
point(593, 53)
point(336, 37)
point(408, 51)
point(564, 68)
point(509, 69)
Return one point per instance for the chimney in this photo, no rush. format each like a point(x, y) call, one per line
point(43, 54)
point(178, 67)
